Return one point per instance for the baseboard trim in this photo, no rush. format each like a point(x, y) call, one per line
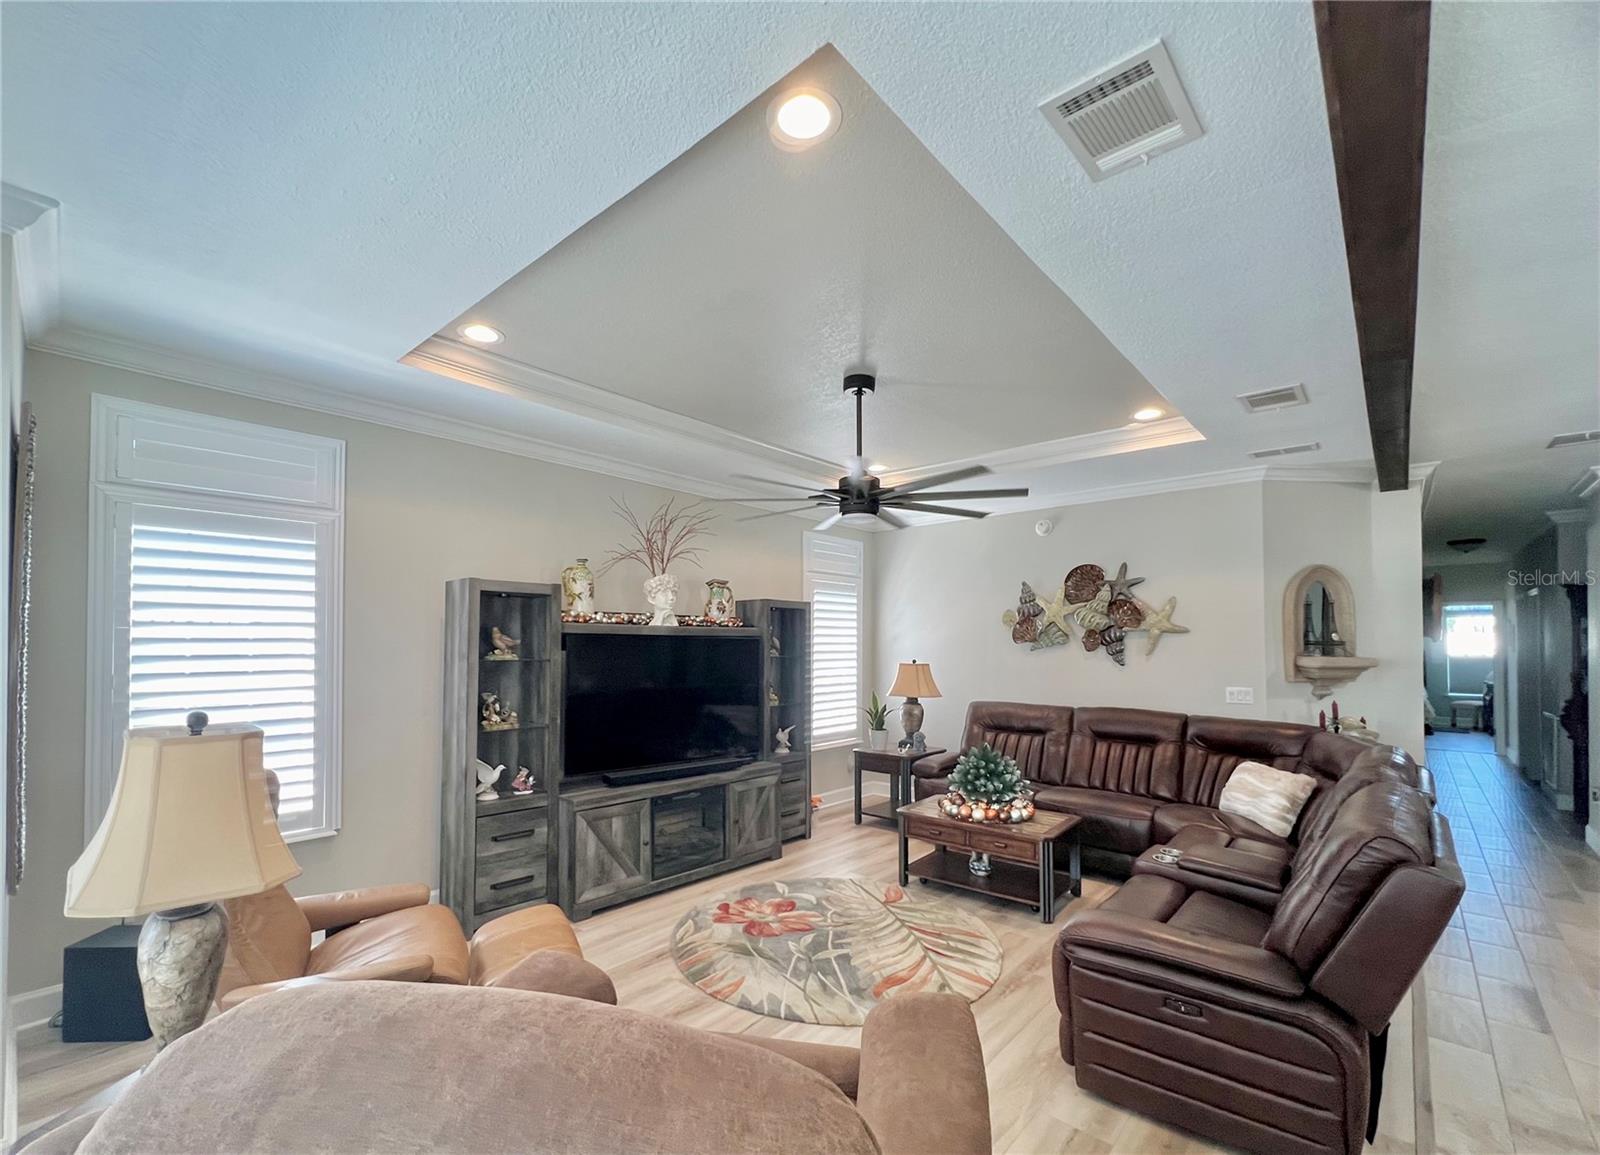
point(34, 1008)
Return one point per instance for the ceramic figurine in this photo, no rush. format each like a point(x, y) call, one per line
point(523, 782)
point(719, 600)
point(772, 697)
point(505, 646)
point(661, 591)
point(782, 746)
point(775, 647)
point(496, 715)
point(487, 776)
point(577, 589)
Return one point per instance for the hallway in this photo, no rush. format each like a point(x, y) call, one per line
point(1512, 1010)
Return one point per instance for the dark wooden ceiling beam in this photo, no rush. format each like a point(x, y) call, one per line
point(1375, 78)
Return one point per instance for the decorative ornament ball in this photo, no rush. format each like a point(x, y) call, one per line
point(964, 810)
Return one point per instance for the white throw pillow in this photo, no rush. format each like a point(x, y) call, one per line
point(1270, 798)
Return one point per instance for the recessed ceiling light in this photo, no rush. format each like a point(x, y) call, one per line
point(802, 117)
point(1149, 413)
point(481, 334)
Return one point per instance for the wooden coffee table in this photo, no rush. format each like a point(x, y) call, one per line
point(1023, 854)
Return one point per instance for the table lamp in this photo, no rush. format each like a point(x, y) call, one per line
point(190, 823)
point(912, 681)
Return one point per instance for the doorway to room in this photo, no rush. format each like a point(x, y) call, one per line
point(1461, 671)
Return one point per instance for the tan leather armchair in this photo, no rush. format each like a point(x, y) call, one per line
point(378, 932)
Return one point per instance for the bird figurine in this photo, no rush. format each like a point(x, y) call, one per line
point(505, 646)
point(782, 746)
point(487, 776)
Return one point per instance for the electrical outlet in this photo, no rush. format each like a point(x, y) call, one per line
point(1240, 695)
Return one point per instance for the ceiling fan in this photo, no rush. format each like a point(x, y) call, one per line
point(860, 499)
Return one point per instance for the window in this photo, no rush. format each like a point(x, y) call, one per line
point(215, 586)
point(833, 581)
point(1469, 647)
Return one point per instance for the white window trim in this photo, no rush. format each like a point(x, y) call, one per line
point(860, 578)
point(112, 487)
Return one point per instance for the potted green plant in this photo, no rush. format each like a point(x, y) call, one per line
point(877, 713)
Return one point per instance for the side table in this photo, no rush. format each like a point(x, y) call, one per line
point(897, 765)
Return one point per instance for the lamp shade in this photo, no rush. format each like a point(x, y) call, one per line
point(190, 822)
point(914, 680)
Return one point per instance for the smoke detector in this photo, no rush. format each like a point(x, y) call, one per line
point(1124, 115)
point(1286, 450)
point(1264, 400)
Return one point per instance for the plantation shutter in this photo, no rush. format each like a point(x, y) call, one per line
point(833, 581)
point(223, 618)
point(216, 584)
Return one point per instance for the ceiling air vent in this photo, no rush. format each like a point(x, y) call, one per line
point(1125, 114)
point(1265, 399)
point(1285, 450)
point(1574, 439)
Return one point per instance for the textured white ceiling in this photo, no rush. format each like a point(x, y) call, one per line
point(1508, 318)
point(741, 282)
point(312, 190)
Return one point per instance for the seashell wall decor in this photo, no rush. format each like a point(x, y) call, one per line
point(1105, 609)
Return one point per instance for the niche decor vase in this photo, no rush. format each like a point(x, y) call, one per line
point(661, 591)
point(719, 600)
point(577, 589)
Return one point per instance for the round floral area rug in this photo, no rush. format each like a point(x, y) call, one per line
point(827, 950)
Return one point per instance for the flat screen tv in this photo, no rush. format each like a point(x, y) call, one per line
point(646, 700)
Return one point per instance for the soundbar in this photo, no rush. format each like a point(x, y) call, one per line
point(671, 770)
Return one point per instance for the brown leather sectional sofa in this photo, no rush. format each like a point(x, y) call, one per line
point(1243, 991)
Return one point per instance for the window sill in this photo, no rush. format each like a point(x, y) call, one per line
point(310, 835)
point(836, 744)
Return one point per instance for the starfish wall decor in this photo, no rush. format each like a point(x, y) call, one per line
point(1104, 608)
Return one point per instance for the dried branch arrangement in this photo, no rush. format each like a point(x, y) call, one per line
point(664, 539)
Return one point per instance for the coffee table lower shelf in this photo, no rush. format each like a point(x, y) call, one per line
point(1009, 881)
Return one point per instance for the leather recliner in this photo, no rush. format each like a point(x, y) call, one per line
point(1258, 1019)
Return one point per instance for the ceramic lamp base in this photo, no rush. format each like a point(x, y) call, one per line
point(179, 960)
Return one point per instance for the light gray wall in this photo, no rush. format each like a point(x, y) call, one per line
point(1468, 583)
point(419, 511)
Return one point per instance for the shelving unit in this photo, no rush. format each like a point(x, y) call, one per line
point(786, 677)
point(498, 854)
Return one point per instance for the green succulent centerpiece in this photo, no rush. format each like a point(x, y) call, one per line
point(987, 786)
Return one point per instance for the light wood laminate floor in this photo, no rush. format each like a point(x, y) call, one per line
point(1037, 1106)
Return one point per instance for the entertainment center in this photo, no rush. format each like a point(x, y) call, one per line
point(587, 764)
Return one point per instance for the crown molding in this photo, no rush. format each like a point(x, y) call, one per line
point(32, 221)
point(1568, 516)
point(136, 357)
point(1062, 451)
point(479, 367)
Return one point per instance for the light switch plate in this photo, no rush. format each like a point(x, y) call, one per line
point(1240, 695)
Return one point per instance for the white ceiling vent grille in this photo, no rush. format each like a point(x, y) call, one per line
point(1125, 114)
point(1265, 399)
point(1574, 439)
point(1286, 450)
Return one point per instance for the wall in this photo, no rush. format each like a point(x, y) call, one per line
point(10, 392)
point(1226, 553)
point(1539, 613)
point(419, 511)
point(940, 592)
point(1375, 540)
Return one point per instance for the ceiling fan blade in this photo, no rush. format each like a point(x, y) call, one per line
point(771, 481)
point(890, 519)
point(749, 500)
point(776, 512)
point(947, 509)
point(939, 479)
point(828, 522)
point(966, 493)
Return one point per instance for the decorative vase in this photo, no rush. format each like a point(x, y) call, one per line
point(877, 739)
point(661, 591)
point(719, 600)
point(577, 589)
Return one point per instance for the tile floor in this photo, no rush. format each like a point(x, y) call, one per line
point(1513, 1012)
